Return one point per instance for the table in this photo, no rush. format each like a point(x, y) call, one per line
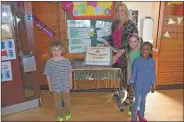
point(98, 77)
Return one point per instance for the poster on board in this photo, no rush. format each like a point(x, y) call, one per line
point(78, 23)
point(74, 33)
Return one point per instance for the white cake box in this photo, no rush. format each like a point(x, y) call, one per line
point(98, 56)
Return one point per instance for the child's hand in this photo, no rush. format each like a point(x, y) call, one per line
point(114, 59)
point(153, 89)
point(50, 89)
point(106, 44)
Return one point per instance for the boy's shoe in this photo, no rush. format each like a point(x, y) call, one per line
point(60, 118)
point(68, 116)
point(129, 113)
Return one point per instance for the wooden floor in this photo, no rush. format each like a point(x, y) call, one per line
point(98, 106)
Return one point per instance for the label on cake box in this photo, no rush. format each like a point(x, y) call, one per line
point(98, 56)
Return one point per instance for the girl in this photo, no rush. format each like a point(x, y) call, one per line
point(58, 71)
point(143, 79)
point(134, 52)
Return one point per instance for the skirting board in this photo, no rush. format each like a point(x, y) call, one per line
point(158, 87)
point(20, 107)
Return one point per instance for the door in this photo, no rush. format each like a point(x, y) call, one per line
point(23, 86)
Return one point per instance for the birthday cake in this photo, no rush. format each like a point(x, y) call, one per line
point(98, 56)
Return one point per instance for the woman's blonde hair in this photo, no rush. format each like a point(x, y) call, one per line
point(125, 9)
point(56, 43)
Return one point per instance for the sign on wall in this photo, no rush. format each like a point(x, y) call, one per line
point(8, 49)
point(6, 71)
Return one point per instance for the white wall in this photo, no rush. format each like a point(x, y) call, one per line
point(144, 8)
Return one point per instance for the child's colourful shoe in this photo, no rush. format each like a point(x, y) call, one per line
point(60, 118)
point(140, 118)
point(129, 113)
point(68, 116)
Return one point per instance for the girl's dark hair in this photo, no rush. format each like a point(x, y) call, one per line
point(151, 46)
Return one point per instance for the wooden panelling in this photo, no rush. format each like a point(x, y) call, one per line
point(173, 17)
point(171, 58)
point(172, 41)
point(169, 10)
point(170, 47)
point(173, 35)
point(172, 25)
point(48, 13)
point(173, 29)
point(165, 75)
point(167, 68)
point(170, 66)
point(169, 80)
point(170, 63)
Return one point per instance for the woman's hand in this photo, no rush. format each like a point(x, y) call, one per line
point(118, 54)
point(106, 44)
point(50, 89)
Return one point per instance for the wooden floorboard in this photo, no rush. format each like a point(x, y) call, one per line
point(165, 105)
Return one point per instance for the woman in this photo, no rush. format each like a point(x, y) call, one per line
point(121, 29)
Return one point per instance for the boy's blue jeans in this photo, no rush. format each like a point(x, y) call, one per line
point(140, 100)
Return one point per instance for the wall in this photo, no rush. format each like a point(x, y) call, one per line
point(48, 13)
point(170, 64)
point(144, 8)
point(54, 17)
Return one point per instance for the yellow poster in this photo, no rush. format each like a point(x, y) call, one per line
point(92, 9)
